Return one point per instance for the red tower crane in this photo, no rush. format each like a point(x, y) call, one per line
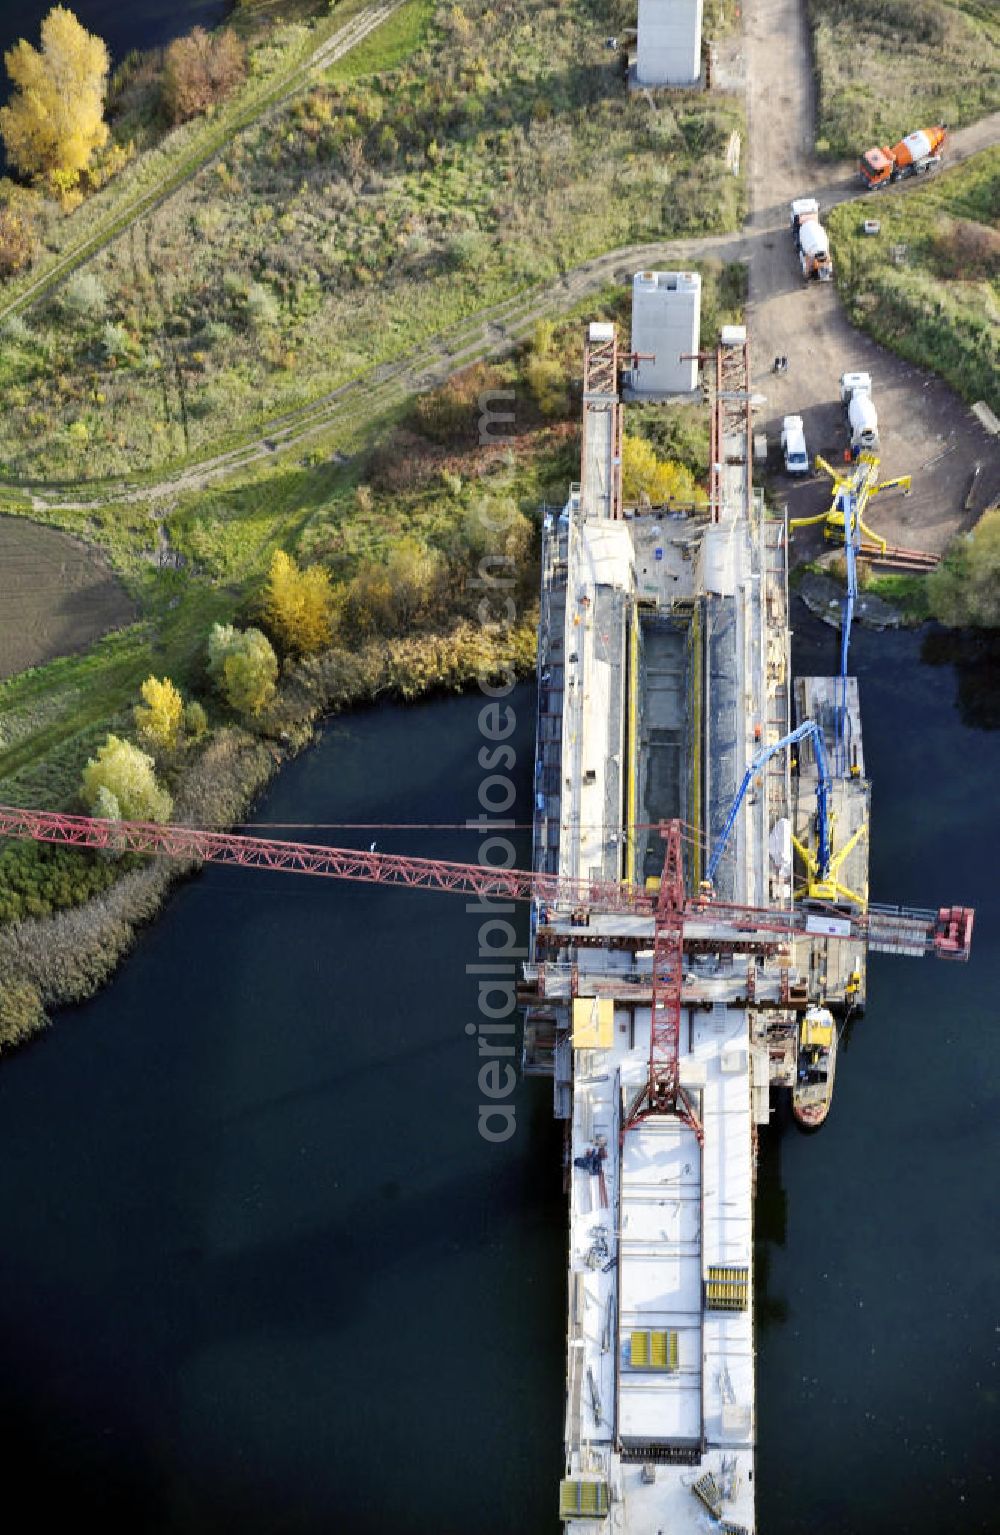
point(947, 932)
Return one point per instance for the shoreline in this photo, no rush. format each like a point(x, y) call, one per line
point(54, 962)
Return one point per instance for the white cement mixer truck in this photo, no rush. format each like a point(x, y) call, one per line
point(862, 419)
point(810, 239)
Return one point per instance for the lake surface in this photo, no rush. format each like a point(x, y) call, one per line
point(260, 1271)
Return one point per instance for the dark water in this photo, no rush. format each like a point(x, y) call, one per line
point(259, 1270)
point(877, 1363)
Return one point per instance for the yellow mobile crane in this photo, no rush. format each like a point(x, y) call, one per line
point(859, 484)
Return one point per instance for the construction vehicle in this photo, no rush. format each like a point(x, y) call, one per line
point(793, 445)
point(811, 240)
point(918, 152)
point(862, 418)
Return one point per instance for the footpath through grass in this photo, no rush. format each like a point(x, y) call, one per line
point(886, 67)
point(928, 286)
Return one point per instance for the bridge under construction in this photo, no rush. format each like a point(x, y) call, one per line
point(677, 755)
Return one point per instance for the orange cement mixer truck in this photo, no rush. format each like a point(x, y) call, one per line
point(918, 152)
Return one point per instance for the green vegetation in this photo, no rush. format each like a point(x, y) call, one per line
point(938, 305)
point(886, 67)
point(367, 215)
point(907, 593)
point(120, 783)
point(243, 666)
point(964, 591)
point(279, 57)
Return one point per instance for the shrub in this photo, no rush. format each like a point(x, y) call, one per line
point(966, 250)
point(16, 329)
point(965, 588)
point(201, 70)
point(114, 342)
point(262, 306)
point(17, 242)
point(243, 666)
point(195, 720)
point(21, 1013)
point(84, 296)
point(127, 778)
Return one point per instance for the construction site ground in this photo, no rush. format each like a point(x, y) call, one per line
point(925, 429)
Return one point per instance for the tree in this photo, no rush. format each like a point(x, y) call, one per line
point(298, 605)
point(55, 119)
point(201, 70)
point(965, 587)
point(645, 477)
point(161, 718)
point(244, 667)
point(122, 778)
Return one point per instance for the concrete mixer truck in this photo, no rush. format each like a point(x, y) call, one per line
point(810, 239)
point(862, 419)
point(918, 152)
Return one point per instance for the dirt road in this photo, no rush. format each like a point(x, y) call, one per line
point(925, 429)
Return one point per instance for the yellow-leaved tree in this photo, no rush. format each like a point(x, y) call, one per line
point(647, 477)
point(121, 782)
point(298, 605)
point(55, 118)
point(161, 714)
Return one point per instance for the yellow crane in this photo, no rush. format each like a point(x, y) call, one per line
point(852, 488)
point(830, 888)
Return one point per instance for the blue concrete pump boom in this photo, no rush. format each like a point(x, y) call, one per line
point(809, 729)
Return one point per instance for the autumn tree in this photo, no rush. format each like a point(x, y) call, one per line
point(965, 587)
point(243, 666)
point(393, 597)
point(648, 478)
point(298, 605)
point(55, 118)
point(200, 71)
point(121, 782)
point(160, 716)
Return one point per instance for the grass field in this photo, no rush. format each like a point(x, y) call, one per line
point(885, 67)
point(403, 192)
point(938, 304)
point(416, 479)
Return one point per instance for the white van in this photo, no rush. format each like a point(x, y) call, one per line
point(793, 445)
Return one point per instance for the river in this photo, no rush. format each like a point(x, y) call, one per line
point(260, 1269)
